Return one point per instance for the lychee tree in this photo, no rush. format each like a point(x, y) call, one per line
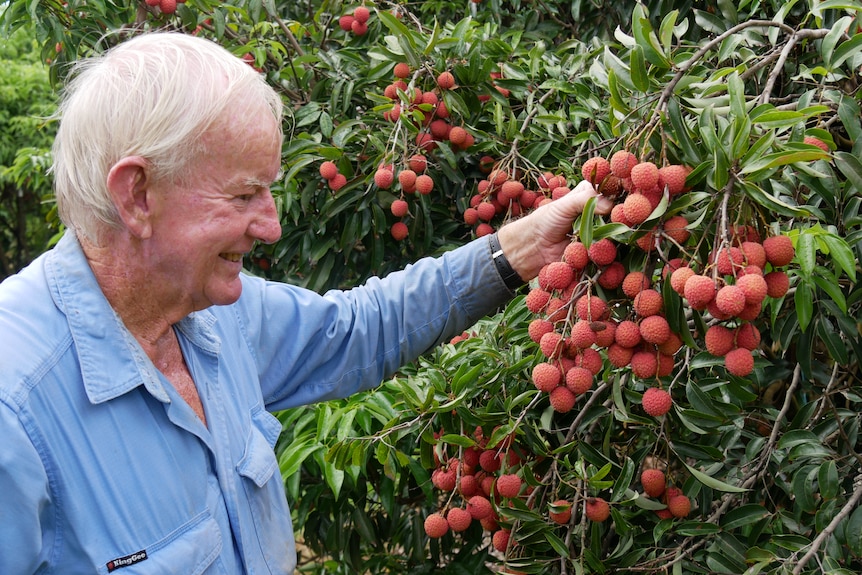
point(679, 393)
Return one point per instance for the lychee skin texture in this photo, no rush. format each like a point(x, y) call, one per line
point(602, 252)
point(622, 163)
point(656, 402)
point(644, 364)
point(739, 362)
point(479, 507)
point(699, 291)
point(399, 231)
point(546, 377)
point(753, 287)
point(730, 299)
point(777, 284)
point(500, 540)
point(779, 250)
point(634, 283)
point(458, 519)
point(816, 142)
point(562, 399)
point(595, 170)
point(559, 275)
point(446, 81)
point(509, 485)
point(679, 506)
point(328, 170)
point(718, 340)
point(653, 482)
point(576, 255)
point(644, 176)
point(436, 526)
point(597, 509)
point(401, 70)
point(564, 514)
point(655, 329)
point(399, 208)
point(579, 380)
point(637, 209)
point(648, 302)
point(673, 176)
point(384, 178)
point(424, 184)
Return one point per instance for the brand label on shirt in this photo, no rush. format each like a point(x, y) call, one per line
point(127, 560)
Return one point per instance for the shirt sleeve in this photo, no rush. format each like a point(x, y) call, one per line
point(24, 500)
point(312, 348)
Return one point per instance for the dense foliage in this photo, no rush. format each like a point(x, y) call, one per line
point(759, 102)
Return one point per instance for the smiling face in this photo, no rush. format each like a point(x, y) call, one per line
point(204, 226)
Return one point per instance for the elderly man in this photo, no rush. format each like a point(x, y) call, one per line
point(141, 364)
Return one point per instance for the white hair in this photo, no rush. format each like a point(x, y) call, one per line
point(152, 96)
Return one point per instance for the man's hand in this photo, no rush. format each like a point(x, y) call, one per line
point(541, 237)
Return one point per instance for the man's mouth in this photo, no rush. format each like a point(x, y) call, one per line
point(231, 257)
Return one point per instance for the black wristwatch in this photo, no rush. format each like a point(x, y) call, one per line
point(510, 277)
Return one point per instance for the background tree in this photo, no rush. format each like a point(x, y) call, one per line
point(25, 101)
point(718, 430)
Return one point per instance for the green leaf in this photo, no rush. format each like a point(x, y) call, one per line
point(806, 252)
point(743, 515)
point(827, 479)
point(646, 39)
point(804, 299)
point(639, 75)
point(713, 483)
point(841, 254)
point(828, 283)
point(847, 49)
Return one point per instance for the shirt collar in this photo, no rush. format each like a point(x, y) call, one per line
point(112, 362)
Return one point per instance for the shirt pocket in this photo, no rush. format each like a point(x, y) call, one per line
point(258, 463)
point(189, 550)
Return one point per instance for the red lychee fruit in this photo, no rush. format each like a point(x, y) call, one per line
point(479, 507)
point(576, 255)
point(424, 184)
point(753, 287)
point(619, 355)
point(678, 278)
point(754, 253)
point(699, 291)
point(500, 540)
point(560, 511)
point(407, 179)
point(399, 231)
point(718, 340)
point(168, 6)
point(673, 177)
point(605, 332)
point(634, 283)
point(558, 275)
point(359, 28)
point(648, 302)
point(418, 163)
point(739, 362)
point(622, 163)
point(597, 509)
point(581, 335)
point(328, 170)
point(457, 135)
point(509, 485)
point(602, 252)
point(546, 377)
point(490, 460)
point(779, 250)
point(747, 336)
point(655, 329)
point(446, 81)
point(637, 209)
point(458, 519)
point(338, 182)
point(656, 401)
point(618, 215)
point(562, 399)
point(361, 13)
point(628, 334)
point(612, 276)
point(644, 364)
point(777, 283)
point(591, 308)
point(671, 346)
point(653, 482)
point(538, 328)
point(644, 176)
point(384, 178)
point(537, 299)
point(676, 228)
point(468, 486)
point(401, 70)
point(436, 526)
point(595, 170)
point(551, 344)
point(679, 506)
point(579, 380)
point(399, 208)
point(444, 480)
point(730, 299)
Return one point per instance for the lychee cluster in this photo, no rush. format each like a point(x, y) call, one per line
point(484, 478)
point(356, 22)
point(165, 6)
point(334, 178)
point(738, 278)
point(655, 485)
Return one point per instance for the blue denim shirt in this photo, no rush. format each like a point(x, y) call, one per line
point(103, 466)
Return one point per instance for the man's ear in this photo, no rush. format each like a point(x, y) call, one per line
point(129, 185)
